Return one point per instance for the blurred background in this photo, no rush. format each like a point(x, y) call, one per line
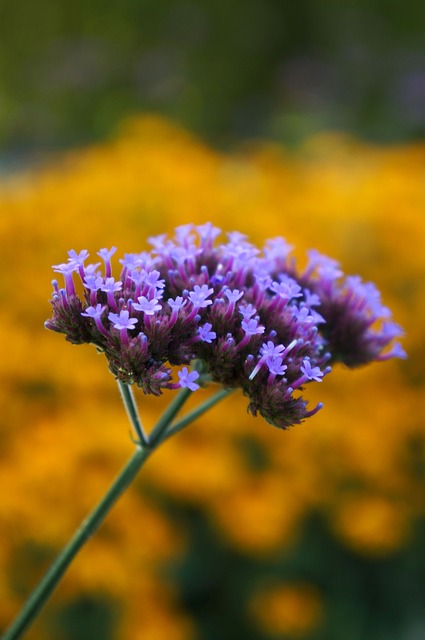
point(123, 120)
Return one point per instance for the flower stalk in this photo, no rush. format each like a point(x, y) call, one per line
point(162, 431)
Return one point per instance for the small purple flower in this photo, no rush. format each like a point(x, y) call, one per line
point(233, 296)
point(152, 279)
point(94, 312)
point(275, 365)
point(110, 286)
point(287, 288)
point(78, 258)
point(91, 269)
point(311, 299)
point(176, 304)
point(247, 311)
point(206, 334)
point(122, 320)
point(187, 379)
point(304, 316)
point(311, 373)
point(271, 350)
point(67, 269)
point(252, 328)
point(106, 255)
point(123, 323)
point(93, 283)
point(147, 306)
point(207, 233)
point(277, 248)
point(276, 368)
point(199, 296)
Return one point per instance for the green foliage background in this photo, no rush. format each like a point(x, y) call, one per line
point(69, 71)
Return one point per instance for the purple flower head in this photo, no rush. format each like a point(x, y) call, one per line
point(187, 379)
point(247, 315)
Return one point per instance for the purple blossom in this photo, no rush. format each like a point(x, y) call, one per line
point(276, 366)
point(94, 312)
point(91, 269)
point(277, 248)
point(110, 286)
point(67, 269)
point(287, 288)
point(176, 304)
point(270, 350)
point(311, 373)
point(122, 320)
point(311, 299)
point(147, 306)
point(207, 233)
point(106, 255)
point(247, 311)
point(206, 334)
point(94, 283)
point(251, 327)
point(233, 296)
point(199, 296)
point(78, 258)
point(230, 306)
point(187, 379)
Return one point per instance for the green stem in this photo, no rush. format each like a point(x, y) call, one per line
point(90, 525)
point(167, 417)
point(196, 413)
point(132, 412)
point(50, 580)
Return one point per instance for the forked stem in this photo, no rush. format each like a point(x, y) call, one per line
point(89, 526)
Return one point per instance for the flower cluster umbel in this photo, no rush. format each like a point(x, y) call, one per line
point(250, 317)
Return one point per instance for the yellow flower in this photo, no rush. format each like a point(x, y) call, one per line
point(291, 610)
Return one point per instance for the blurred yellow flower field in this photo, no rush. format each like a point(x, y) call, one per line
point(359, 463)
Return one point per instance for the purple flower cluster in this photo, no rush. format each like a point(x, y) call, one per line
point(249, 317)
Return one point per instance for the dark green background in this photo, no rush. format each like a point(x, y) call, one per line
point(230, 70)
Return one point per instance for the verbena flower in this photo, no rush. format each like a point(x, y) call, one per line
point(251, 317)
